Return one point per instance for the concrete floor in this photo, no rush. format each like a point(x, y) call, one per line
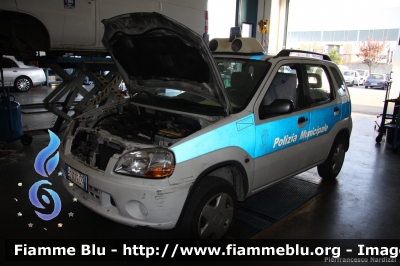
point(361, 204)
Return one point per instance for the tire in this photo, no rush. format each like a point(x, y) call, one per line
point(26, 139)
point(210, 211)
point(23, 84)
point(351, 85)
point(331, 167)
point(366, 87)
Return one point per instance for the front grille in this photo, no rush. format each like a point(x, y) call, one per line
point(112, 202)
point(95, 193)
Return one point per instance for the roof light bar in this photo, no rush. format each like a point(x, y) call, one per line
point(238, 45)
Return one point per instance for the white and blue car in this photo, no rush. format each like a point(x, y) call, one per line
point(205, 127)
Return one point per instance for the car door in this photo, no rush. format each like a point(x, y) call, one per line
point(278, 153)
point(10, 71)
point(325, 111)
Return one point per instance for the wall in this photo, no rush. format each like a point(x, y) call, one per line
point(378, 68)
point(248, 13)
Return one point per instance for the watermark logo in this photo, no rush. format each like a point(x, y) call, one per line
point(45, 165)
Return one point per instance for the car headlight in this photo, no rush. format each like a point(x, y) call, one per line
point(149, 163)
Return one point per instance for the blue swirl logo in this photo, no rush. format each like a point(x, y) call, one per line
point(41, 158)
point(35, 201)
point(45, 169)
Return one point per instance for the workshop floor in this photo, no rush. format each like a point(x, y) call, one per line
point(361, 204)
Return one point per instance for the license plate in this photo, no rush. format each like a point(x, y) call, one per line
point(374, 83)
point(77, 177)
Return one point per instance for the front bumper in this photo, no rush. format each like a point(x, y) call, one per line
point(127, 200)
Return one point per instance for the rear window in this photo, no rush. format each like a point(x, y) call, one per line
point(377, 76)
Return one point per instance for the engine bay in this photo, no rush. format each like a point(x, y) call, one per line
point(111, 133)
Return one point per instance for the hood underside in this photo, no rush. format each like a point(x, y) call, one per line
point(151, 50)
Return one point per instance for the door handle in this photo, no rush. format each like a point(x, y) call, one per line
point(15, 70)
point(336, 110)
point(302, 120)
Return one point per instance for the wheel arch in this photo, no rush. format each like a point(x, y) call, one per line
point(232, 171)
point(345, 134)
point(22, 35)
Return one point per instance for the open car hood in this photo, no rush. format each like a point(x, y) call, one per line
point(151, 50)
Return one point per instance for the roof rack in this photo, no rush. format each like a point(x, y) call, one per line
point(287, 52)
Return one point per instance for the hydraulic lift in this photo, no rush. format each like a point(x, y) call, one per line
point(105, 87)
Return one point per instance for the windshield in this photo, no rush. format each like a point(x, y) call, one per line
point(361, 72)
point(172, 98)
point(348, 73)
point(241, 79)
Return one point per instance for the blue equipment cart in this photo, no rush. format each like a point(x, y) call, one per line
point(10, 118)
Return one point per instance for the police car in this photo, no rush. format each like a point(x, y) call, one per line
point(204, 127)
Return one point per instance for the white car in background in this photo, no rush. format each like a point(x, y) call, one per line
point(363, 73)
point(20, 76)
point(352, 77)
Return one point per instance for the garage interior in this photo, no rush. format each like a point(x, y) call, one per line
point(362, 203)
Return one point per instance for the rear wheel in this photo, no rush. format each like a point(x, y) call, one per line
point(23, 84)
point(26, 139)
point(210, 211)
point(366, 87)
point(331, 167)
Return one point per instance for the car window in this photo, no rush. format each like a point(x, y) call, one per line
point(340, 83)
point(319, 87)
point(7, 63)
point(377, 76)
point(285, 85)
point(241, 79)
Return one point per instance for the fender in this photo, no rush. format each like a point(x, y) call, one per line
point(206, 172)
point(22, 35)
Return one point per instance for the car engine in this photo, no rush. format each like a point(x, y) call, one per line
point(115, 133)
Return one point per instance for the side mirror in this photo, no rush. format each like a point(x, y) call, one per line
point(277, 107)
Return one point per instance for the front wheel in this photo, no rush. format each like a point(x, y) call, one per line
point(210, 211)
point(331, 167)
point(23, 84)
